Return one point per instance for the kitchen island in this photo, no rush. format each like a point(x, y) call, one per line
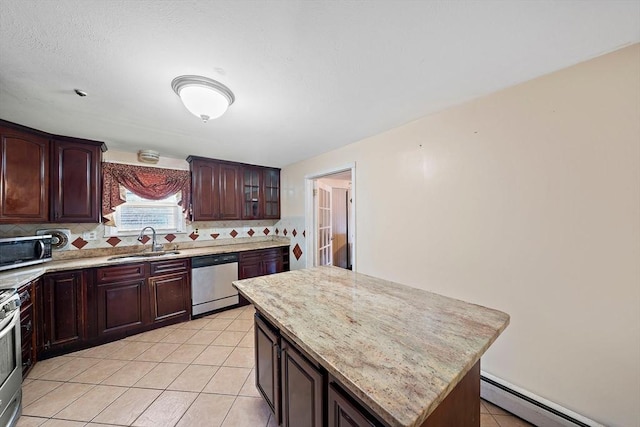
point(351, 349)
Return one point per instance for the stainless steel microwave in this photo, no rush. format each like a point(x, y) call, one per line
point(18, 252)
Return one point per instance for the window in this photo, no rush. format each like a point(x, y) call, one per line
point(137, 212)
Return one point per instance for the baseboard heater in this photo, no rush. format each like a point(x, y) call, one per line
point(528, 406)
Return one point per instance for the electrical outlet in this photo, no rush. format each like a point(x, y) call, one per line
point(89, 235)
point(195, 231)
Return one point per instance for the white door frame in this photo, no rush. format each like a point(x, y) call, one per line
point(310, 215)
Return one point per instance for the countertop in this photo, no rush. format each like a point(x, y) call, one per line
point(400, 350)
point(20, 276)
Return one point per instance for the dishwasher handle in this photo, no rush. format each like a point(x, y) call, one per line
point(209, 260)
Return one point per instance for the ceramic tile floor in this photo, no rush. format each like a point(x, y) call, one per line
point(197, 373)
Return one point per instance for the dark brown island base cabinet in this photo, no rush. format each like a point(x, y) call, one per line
point(300, 392)
point(48, 178)
point(290, 383)
point(222, 190)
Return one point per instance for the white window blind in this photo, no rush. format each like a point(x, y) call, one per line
point(136, 213)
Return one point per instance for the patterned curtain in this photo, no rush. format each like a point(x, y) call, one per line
point(150, 183)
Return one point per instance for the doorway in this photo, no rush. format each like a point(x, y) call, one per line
point(330, 214)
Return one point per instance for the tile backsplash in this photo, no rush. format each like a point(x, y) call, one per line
point(198, 233)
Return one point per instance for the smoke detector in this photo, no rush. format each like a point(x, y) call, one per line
point(148, 156)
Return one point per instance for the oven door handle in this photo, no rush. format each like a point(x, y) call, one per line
point(8, 324)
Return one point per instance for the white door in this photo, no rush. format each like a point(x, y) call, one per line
point(324, 237)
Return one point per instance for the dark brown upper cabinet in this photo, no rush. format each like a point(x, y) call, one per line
point(251, 193)
point(214, 189)
point(271, 190)
point(75, 178)
point(224, 190)
point(48, 178)
point(24, 176)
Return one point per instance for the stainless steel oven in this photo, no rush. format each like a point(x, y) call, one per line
point(10, 358)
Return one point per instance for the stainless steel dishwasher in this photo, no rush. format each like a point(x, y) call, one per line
point(211, 282)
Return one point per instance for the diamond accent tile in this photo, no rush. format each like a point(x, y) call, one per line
point(113, 241)
point(251, 232)
point(284, 232)
point(294, 232)
point(277, 231)
point(215, 235)
point(193, 235)
point(145, 239)
point(266, 231)
point(304, 233)
point(233, 233)
point(297, 251)
point(170, 237)
point(79, 243)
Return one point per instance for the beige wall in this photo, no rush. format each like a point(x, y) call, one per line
point(527, 200)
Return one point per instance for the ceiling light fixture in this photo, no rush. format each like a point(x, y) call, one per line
point(202, 96)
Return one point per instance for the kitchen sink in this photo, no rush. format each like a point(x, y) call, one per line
point(142, 255)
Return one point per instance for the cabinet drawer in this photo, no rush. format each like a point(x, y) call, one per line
point(119, 273)
point(169, 266)
point(260, 254)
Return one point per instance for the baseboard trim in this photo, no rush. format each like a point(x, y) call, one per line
point(528, 406)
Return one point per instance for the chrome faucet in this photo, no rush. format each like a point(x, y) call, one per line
point(155, 246)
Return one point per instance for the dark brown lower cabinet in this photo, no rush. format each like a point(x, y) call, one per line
point(122, 300)
point(121, 307)
point(170, 291)
point(129, 301)
point(62, 313)
point(79, 309)
point(302, 389)
point(262, 262)
point(170, 297)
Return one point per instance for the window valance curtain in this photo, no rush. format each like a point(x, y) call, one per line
point(150, 183)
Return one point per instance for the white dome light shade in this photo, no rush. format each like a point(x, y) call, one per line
point(203, 97)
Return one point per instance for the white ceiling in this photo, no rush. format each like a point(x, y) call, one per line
point(308, 76)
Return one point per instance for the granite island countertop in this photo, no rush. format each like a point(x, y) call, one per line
point(400, 350)
point(20, 276)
